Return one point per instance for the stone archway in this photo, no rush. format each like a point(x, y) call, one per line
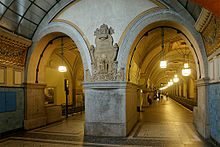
point(172, 19)
point(36, 48)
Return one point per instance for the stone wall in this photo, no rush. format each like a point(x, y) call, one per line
point(214, 109)
point(14, 119)
point(35, 114)
point(53, 113)
point(110, 108)
point(105, 113)
point(112, 12)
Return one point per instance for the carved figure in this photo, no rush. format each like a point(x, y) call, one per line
point(103, 56)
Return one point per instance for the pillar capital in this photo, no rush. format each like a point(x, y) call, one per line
point(202, 82)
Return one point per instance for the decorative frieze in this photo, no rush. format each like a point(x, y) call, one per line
point(209, 26)
point(13, 48)
point(211, 35)
point(203, 20)
point(103, 56)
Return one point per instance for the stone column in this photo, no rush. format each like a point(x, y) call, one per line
point(110, 108)
point(182, 89)
point(34, 106)
point(201, 112)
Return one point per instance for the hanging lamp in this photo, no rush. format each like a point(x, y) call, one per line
point(175, 79)
point(186, 71)
point(171, 81)
point(62, 68)
point(163, 62)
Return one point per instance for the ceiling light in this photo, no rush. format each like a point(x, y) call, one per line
point(175, 79)
point(163, 63)
point(186, 71)
point(171, 81)
point(62, 68)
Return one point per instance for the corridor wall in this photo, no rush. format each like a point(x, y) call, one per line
point(214, 109)
point(14, 118)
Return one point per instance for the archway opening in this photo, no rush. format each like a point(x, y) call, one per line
point(156, 42)
point(52, 95)
point(66, 53)
point(160, 41)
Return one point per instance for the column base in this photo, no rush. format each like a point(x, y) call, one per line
point(34, 123)
point(105, 129)
point(202, 128)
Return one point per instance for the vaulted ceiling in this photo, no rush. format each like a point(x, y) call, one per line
point(149, 53)
point(71, 58)
point(23, 17)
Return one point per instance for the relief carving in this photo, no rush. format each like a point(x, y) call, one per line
point(103, 57)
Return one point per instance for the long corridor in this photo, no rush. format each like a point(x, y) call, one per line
point(164, 123)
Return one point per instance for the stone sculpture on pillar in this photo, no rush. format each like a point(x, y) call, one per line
point(103, 57)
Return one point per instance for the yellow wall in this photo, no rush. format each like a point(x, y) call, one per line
point(184, 89)
point(135, 73)
point(180, 90)
point(54, 78)
point(191, 89)
point(9, 77)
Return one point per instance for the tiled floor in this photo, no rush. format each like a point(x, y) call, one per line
point(164, 123)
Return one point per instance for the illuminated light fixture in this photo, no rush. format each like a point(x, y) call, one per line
point(171, 81)
point(163, 62)
point(169, 84)
point(163, 88)
point(186, 71)
point(175, 79)
point(186, 65)
point(62, 68)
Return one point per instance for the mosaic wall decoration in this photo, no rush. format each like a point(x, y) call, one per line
point(13, 48)
point(211, 35)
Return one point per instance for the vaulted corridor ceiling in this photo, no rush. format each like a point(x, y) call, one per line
point(148, 54)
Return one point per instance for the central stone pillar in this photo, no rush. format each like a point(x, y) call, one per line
point(110, 108)
point(110, 102)
point(201, 113)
